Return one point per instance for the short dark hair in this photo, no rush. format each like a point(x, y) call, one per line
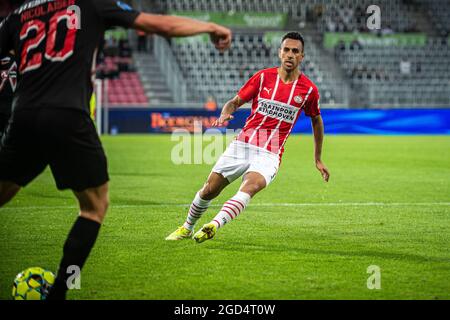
point(295, 36)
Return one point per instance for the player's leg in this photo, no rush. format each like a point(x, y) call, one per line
point(211, 189)
point(231, 165)
point(253, 183)
point(7, 191)
point(93, 206)
point(93, 203)
point(78, 162)
point(261, 171)
point(213, 186)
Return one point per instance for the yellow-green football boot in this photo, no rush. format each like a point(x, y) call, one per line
point(207, 232)
point(180, 234)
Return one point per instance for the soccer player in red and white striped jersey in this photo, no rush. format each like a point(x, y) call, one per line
point(278, 96)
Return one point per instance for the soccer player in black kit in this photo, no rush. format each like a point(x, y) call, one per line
point(55, 43)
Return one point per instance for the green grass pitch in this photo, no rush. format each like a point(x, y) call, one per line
point(387, 204)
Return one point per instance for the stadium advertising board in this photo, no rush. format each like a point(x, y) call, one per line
point(331, 39)
point(138, 120)
point(238, 19)
point(337, 121)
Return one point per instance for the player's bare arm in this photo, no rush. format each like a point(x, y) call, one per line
point(317, 125)
point(174, 26)
point(227, 111)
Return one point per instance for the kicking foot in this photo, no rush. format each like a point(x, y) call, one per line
point(207, 232)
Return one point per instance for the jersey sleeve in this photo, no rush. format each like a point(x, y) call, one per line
point(5, 37)
point(251, 89)
point(116, 13)
point(312, 107)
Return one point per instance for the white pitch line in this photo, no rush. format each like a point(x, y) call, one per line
point(311, 204)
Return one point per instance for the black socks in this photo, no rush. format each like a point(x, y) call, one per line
point(78, 245)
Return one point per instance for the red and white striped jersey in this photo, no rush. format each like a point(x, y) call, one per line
point(276, 107)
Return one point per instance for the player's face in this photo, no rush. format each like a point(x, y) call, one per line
point(291, 54)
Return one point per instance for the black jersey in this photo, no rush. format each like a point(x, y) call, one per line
point(8, 82)
point(56, 42)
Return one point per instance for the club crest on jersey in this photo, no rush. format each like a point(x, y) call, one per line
point(124, 6)
point(298, 99)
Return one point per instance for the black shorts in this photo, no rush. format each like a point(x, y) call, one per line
point(65, 139)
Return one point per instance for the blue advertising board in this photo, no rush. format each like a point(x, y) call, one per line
point(383, 122)
point(337, 121)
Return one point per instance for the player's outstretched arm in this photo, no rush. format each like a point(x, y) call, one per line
point(317, 125)
point(227, 111)
point(174, 26)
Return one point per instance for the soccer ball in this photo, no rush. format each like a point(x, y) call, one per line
point(32, 284)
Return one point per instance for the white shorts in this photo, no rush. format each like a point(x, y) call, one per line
point(240, 158)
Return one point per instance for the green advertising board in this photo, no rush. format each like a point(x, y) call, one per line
point(238, 19)
point(331, 39)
